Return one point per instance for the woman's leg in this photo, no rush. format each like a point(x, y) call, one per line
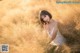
point(57, 47)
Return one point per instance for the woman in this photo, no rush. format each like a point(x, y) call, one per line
point(51, 26)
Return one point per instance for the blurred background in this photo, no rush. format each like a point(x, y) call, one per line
point(21, 29)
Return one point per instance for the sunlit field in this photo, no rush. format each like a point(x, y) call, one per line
point(70, 0)
point(21, 29)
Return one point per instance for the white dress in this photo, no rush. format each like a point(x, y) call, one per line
point(59, 39)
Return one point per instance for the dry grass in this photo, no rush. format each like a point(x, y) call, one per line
point(20, 28)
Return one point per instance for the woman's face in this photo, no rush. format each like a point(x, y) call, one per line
point(45, 18)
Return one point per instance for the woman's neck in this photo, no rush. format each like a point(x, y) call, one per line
point(48, 22)
point(52, 20)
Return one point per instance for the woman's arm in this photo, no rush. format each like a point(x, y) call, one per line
point(54, 31)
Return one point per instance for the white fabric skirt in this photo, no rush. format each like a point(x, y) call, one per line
point(59, 39)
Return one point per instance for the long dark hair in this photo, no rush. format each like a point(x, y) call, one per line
point(44, 13)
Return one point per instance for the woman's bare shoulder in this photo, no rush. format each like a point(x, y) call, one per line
point(55, 22)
